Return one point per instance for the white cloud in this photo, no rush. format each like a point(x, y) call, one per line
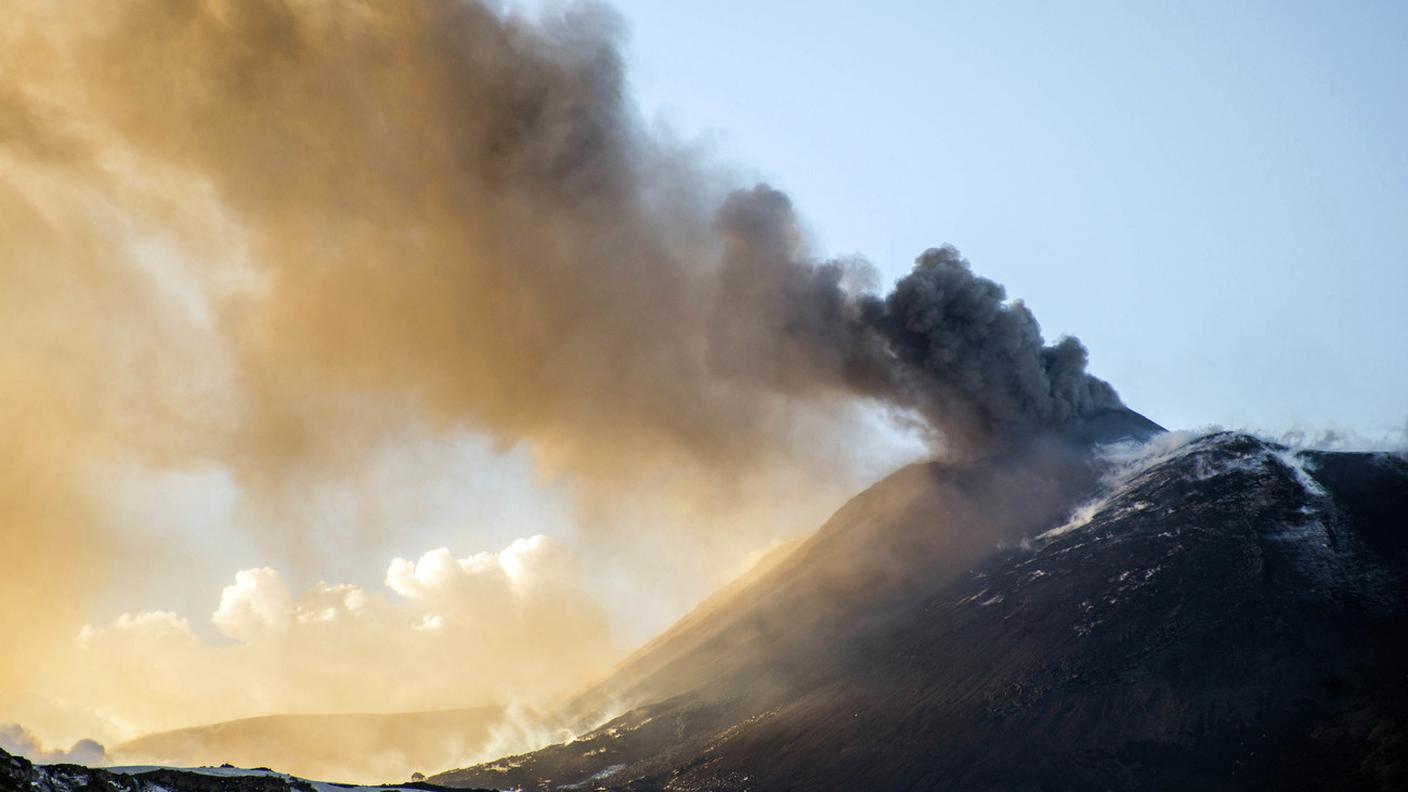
point(257, 603)
point(537, 561)
point(489, 627)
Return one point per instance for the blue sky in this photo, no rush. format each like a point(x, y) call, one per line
point(1211, 195)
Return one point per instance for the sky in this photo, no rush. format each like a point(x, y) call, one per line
point(1210, 195)
point(315, 375)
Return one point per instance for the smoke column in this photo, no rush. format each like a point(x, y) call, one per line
point(269, 235)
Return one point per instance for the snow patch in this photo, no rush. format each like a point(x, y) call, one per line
point(597, 776)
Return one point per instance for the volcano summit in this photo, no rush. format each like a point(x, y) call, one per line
point(1209, 612)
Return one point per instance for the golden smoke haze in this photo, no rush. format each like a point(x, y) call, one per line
point(272, 239)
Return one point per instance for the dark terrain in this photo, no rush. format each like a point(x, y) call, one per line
point(21, 775)
point(1225, 614)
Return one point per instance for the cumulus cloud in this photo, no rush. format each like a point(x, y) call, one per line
point(515, 623)
point(258, 602)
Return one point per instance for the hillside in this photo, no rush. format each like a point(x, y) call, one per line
point(1221, 613)
point(343, 747)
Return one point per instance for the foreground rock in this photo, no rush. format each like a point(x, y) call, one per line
point(20, 775)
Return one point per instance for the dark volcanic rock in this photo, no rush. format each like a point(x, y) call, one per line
point(17, 773)
point(20, 775)
point(1218, 615)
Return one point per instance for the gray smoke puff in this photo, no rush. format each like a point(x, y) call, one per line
point(977, 366)
point(944, 342)
point(794, 324)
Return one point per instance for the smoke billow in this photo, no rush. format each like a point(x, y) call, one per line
point(459, 211)
point(975, 365)
point(269, 236)
point(945, 341)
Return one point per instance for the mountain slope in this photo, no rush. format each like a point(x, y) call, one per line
point(20, 775)
point(922, 524)
point(1223, 614)
point(342, 747)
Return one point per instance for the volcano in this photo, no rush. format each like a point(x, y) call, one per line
point(1108, 607)
point(1114, 608)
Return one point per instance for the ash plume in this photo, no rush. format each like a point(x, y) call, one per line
point(272, 237)
point(945, 341)
point(976, 365)
point(459, 212)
